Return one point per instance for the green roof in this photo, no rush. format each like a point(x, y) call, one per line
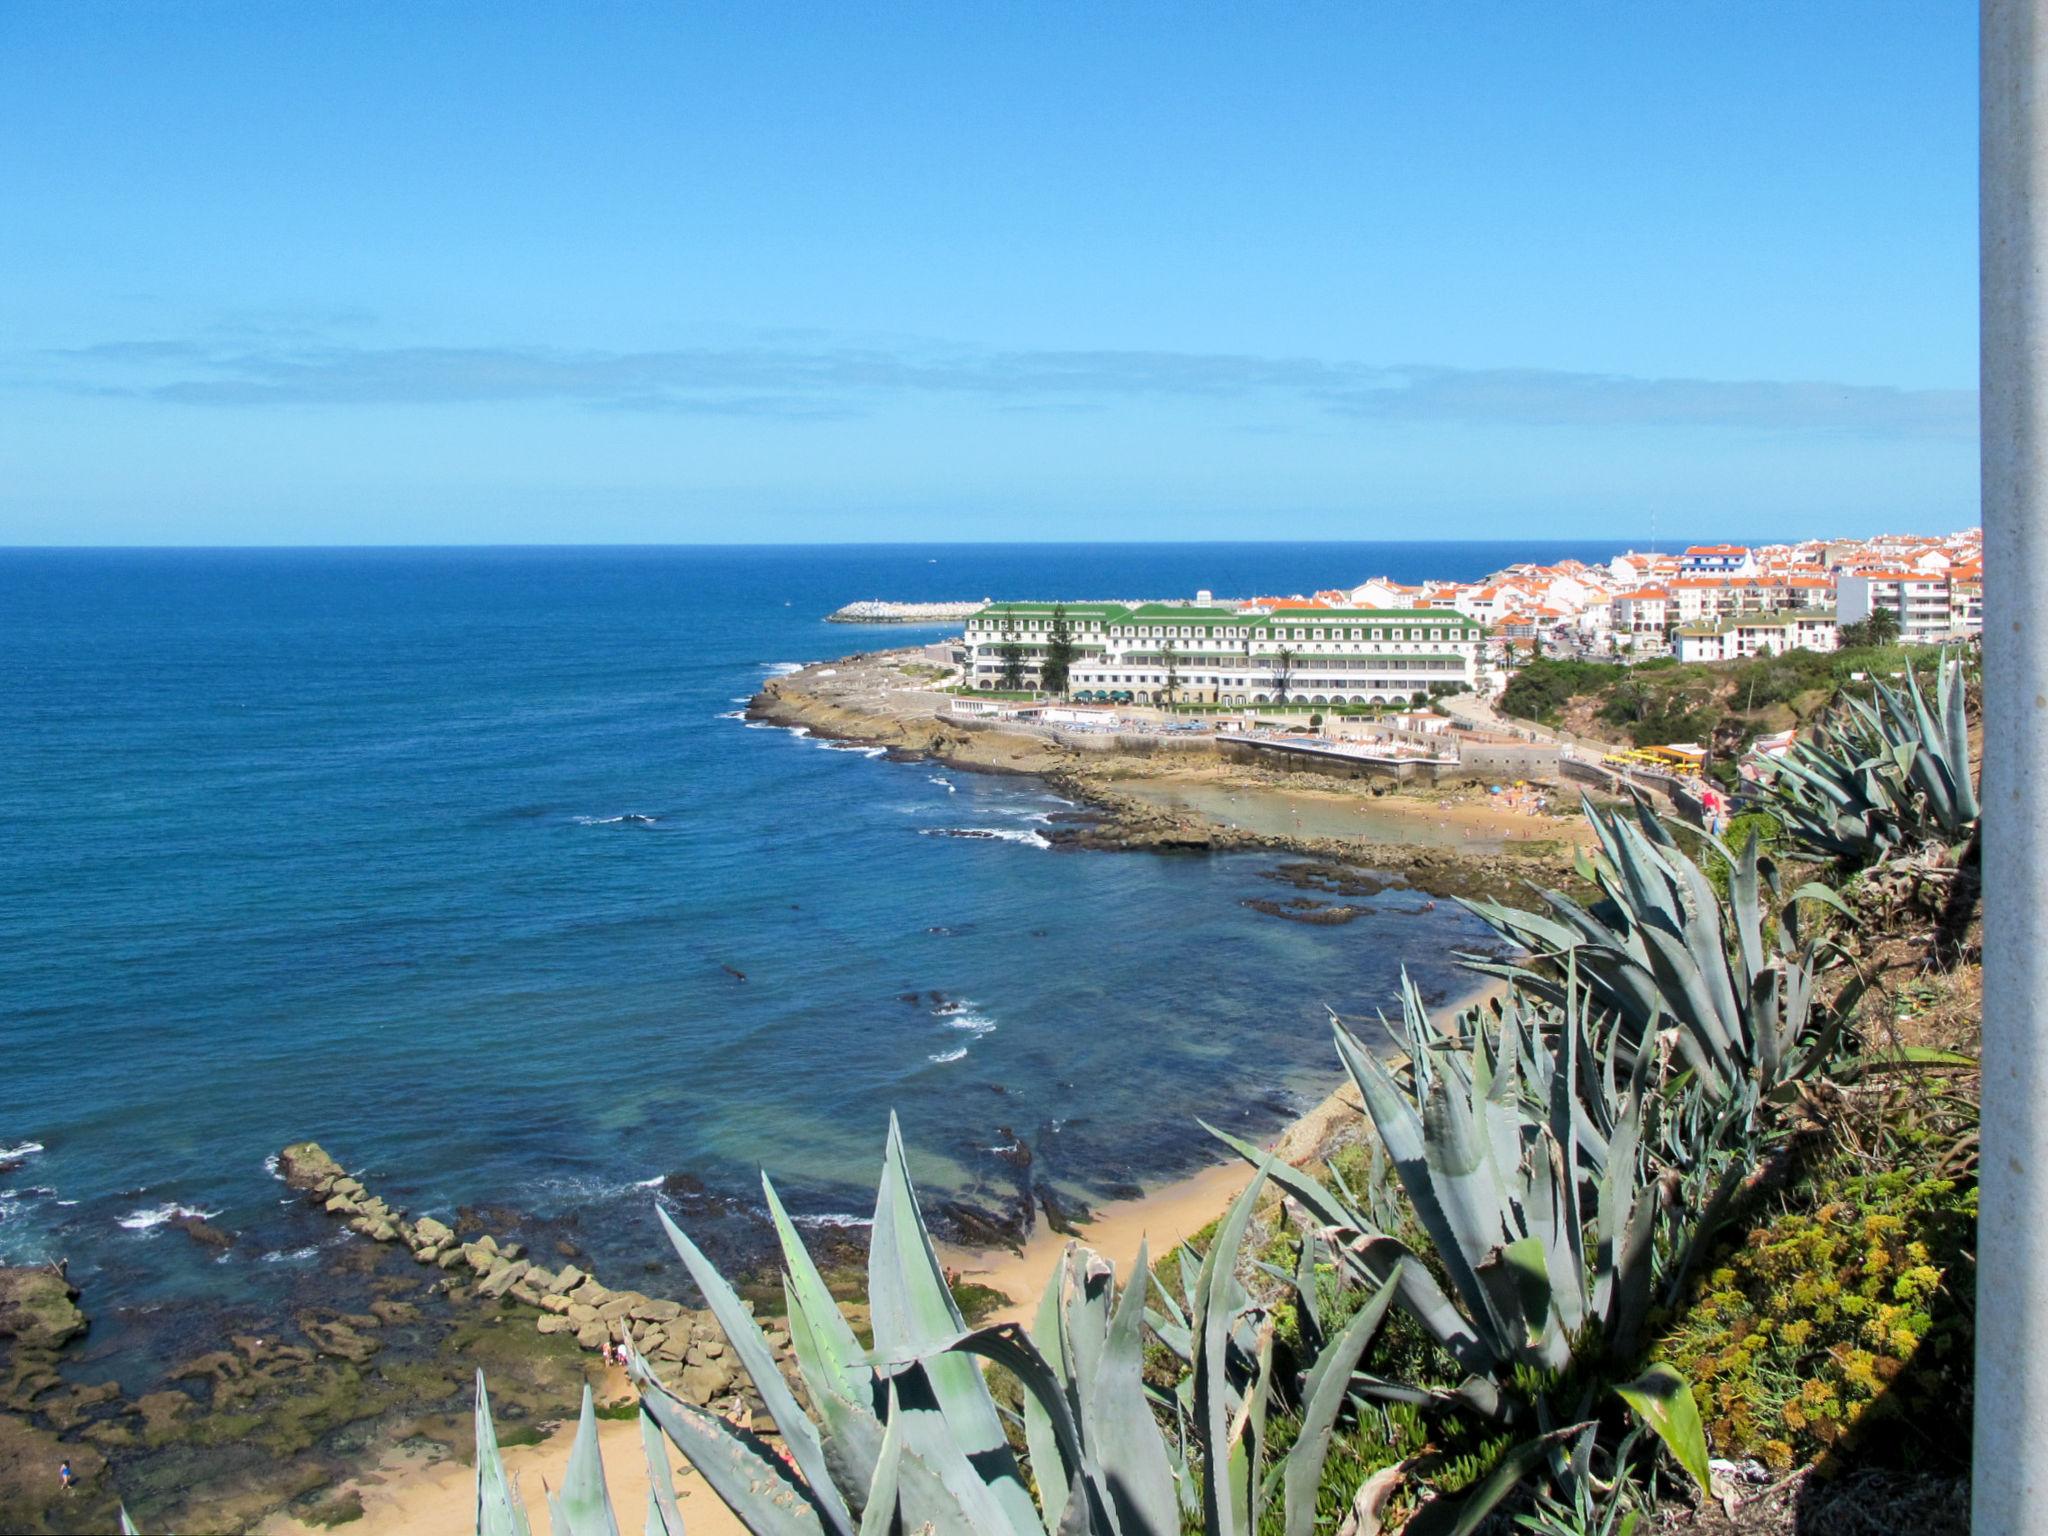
point(1168, 613)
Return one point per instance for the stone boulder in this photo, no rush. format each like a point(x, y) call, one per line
point(434, 1233)
point(701, 1383)
point(38, 1308)
point(502, 1278)
point(305, 1163)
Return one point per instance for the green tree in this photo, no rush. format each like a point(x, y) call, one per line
point(1059, 653)
point(1169, 653)
point(1012, 654)
point(1880, 629)
point(1283, 673)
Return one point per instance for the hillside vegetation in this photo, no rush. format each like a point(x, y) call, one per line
point(1725, 705)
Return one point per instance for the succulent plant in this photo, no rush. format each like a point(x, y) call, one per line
point(1546, 1232)
point(1657, 953)
point(1881, 775)
point(907, 1434)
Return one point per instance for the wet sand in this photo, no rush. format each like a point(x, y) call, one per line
point(1297, 812)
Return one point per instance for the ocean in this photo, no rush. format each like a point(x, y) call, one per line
point(465, 864)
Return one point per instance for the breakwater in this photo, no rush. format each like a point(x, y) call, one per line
point(686, 1349)
point(875, 611)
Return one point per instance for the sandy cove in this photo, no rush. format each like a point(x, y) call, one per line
point(1448, 841)
point(872, 699)
point(406, 1493)
point(403, 1493)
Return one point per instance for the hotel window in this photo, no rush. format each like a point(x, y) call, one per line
point(1378, 634)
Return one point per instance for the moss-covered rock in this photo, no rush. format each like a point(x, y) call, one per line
point(38, 1308)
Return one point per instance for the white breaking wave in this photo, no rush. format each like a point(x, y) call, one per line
point(270, 1167)
point(731, 714)
point(653, 1183)
point(631, 818)
point(854, 746)
point(834, 1219)
point(944, 783)
point(975, 1024)
point(26, 1149)
point(940, 1058)
point(988, 834)
point(781, 668)
point(800, 732)
point(294, 1256)
point(156, 1216)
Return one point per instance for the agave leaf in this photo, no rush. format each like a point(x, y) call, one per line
point(1663, 1400)
point(914, 1317)
point(1461, 1517)
point(1378, 1258)
point(584, 1505)
point(878, 1514)
point(664, 1514)
point(1124, 1438)
point(1401, 1131)
point(1328, 1383)
point(499, 1509)
point(1470, 1201)
point(1039, 1434)
point(1224, 1497)
point(827, 1349)
point(746, 1475)
point(127, 1525)
point(744, 1335)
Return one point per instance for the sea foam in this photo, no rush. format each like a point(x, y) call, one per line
point(988, 834)
point(156, 1216)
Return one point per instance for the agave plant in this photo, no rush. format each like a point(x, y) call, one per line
point(1881, 775)
point(1740, 994)
point(1544, 1225)
point(906, 1434)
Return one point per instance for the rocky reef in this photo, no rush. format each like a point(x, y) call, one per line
point(376, 1355)
point(686, 1348)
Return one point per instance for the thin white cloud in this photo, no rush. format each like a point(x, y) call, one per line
point(804, 378)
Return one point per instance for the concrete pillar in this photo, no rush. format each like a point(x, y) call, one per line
point(2010, 1486)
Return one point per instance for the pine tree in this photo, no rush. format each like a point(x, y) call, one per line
point(1059, 653)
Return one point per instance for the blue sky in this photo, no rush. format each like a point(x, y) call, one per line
point(650, 273)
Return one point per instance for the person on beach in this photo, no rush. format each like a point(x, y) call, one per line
point(66, 1478)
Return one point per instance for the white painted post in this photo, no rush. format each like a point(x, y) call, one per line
point(2010, 1483)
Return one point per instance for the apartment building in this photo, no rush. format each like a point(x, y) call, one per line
point(1757, 634)
point(1929, 606)
point(1233, 655)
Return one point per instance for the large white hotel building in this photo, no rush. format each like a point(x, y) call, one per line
point(1247, 655)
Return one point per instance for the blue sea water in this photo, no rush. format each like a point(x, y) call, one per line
point(448, 859)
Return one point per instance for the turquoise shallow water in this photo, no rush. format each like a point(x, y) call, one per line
point(441, 857)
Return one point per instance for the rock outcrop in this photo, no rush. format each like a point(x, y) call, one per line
point(39, 1308)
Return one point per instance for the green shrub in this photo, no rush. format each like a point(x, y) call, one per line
point(1837, 1327)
